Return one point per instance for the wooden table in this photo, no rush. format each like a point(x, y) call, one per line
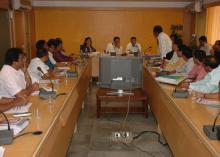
point(138, 95)
point(57, 120)
point(181, 120)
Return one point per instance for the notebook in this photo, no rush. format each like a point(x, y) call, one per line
point(170, 79)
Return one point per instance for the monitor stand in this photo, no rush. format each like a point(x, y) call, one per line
point(120, 92)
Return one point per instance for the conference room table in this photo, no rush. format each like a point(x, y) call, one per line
point(57, 120)
point(181, 120)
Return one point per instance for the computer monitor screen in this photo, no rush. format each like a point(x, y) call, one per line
point(120, 72)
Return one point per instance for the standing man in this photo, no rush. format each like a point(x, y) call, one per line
point(163, 41)
point(115, 46)
point(204, 45)
point(133, 46)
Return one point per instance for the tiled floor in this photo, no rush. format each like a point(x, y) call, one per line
point(92, 138)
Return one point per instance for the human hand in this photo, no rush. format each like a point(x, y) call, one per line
point(21, 100)
point(35, 86)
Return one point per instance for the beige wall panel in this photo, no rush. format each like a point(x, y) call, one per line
point(73, 25)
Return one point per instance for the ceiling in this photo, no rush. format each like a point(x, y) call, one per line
point(127, 0)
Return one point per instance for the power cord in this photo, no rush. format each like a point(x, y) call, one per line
point(32, 132)
point(152, 132)
point(128, 108)
point(140, 149)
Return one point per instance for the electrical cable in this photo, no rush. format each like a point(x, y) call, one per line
point(153, 132)
point(128, 108)
point(32, 132)
point(140, 149)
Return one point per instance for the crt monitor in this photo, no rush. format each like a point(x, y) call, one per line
point(120, 72)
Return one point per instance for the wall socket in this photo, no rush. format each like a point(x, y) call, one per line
point(122, 136)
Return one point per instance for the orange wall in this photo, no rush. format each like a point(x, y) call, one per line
point(73, 25)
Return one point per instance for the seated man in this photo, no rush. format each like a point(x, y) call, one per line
point(37, 68)
point(133, 46)
point(114, 46)
point(204, 45)
point(210, 83)
point(198, 71)
point(15, 80)
point(8, 103)
point(209, 63)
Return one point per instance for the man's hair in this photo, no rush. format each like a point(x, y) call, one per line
point(187, 52)
point(203, 38)
point(40, 44)
point(133, 38)
point(181, 47)
point(199, 54)
point(57, 42)
point(157, 29)
point(12, 55)
point(41, 53)
point(115, 38)
point(217, 55)
point(60, 40)
point(51, 42)
point(211, 61)
point(217, 41)
point(178, 41)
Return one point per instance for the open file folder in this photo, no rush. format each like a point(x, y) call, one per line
point(170, 79)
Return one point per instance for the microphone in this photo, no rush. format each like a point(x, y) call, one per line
point(6, 136)
point(214, 123)
point(39, 69)
point(212, 131)
point(180, 93)
point(52, 93)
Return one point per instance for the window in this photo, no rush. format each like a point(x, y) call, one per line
point(213, 24)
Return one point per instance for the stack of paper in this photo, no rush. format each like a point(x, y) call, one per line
point(56, 81)
point(208, 102)
point(19, 109)
point(2, 150)
point(17, 126)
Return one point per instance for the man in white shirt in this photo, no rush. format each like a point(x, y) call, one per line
point(15, 80)
point(163, 40)
point(204, 45)
point(37, 68)
point(133, 46)
point(115, 46)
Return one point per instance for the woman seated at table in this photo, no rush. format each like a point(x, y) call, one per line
point(58, 52)
point(87, 46)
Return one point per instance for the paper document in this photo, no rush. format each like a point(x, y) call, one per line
point(2, 150)
point(18, 127)
point(208, 102)
point(170, 79)
point(19, 109)
point(48, 81)
point(63, 68)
